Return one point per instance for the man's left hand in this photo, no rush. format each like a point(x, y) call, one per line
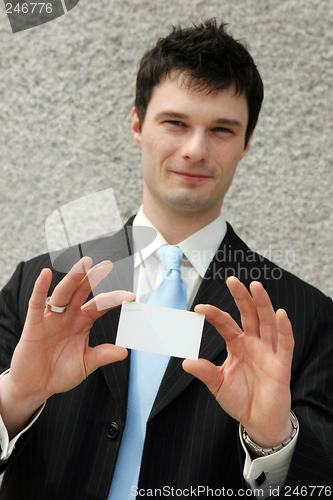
point(253, 384)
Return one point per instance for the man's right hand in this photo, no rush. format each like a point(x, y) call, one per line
point(53, 354)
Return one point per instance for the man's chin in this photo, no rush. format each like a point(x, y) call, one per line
point(189, 203)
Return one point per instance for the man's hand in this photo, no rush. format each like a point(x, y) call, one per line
point(253, 384)
point(53, 354)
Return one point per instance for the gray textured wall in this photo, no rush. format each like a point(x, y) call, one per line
point(66, 92)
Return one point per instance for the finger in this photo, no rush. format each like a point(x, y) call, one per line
point(286, 342)
point(63, 292)
point(223, 322)
point(266, 314)
point(207, 372)
point(38, 297)
point(245, 304)
point(102, 355)
point(94, 276)
point(103, 302)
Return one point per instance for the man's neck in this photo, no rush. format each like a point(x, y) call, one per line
point(176, 226)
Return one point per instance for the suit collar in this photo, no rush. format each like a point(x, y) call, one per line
point(199, 248)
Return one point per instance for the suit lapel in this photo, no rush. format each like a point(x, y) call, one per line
point(116, 374)
point(119, 250)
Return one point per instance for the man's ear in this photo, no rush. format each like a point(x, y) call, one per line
point(247, 147)
point(135, 128)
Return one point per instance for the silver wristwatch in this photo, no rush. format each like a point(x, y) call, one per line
point(263, 452)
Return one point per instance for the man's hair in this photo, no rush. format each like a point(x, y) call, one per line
point(209, 59)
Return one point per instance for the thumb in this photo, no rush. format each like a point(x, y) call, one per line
point(207, 372)
point(102, 355)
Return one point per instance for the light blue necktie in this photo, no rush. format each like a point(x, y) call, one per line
point(146, 373)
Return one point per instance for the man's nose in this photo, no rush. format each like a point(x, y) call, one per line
point(195, 147)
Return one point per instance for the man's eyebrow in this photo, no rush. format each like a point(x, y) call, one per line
point(170, 114)
point(228, 121)
point(184, 116)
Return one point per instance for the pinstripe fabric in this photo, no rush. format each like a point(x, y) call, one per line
point(190, 441)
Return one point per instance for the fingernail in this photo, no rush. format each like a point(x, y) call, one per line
point(103, 263)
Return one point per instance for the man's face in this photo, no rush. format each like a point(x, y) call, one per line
point(191, 143)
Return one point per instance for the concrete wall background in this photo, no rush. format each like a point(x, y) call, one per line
point(66, 92)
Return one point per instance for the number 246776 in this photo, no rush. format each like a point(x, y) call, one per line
point(30, 8)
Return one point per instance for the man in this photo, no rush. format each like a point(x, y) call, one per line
point(259, 423)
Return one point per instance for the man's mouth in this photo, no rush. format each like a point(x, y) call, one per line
point(192, 177)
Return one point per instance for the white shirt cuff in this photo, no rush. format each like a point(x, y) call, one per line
point(274, 467)
point(6, 445)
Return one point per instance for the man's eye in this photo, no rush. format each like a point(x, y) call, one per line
point(223, 129)
point(175, 122)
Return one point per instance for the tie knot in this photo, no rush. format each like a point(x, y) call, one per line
point(170, 256)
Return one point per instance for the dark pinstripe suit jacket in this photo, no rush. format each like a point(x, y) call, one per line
point(69, 455)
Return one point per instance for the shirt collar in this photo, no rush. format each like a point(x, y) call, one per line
point(199, 248)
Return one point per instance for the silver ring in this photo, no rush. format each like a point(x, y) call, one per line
point(55, 309)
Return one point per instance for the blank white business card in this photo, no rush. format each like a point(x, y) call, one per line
point(160, 329)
